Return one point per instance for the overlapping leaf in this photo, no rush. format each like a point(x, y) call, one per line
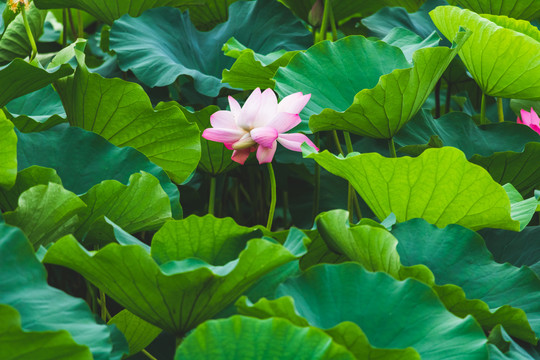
point(440, 186)
point(183, 50)
point(121, 112)
point(332, 297)
point(517, 9)
point(139, 334)
point(382, 111)
point(185, 290)
point(486, 54)
point(269, 339)
point(23, 286)
point(108, 11)
point(8, 152)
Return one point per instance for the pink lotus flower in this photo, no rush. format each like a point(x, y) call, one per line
point(259, 125)
point(530, 119)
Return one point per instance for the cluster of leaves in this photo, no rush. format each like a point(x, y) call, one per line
point(107, 250)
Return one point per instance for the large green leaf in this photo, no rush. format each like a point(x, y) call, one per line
point(249, 338)
point(46, 213)
point(517, 9)
point(139, 334)
point(440, 186)
point(37, 111)
point(252, 70)
point(206, 16)
point(19, 78)
point(185, 290)
point(23, 285)
point(375, 248)
point(486, 54)
point(138, 206)
point(518, 249)
point(14, 42)
point(183, 50)
point(392, 314)
point(121, 112)
point(8, 152)
point(16, 344)
point(459, 256)
point(334, 72)
point(110, 10)
point(522, 209)
point(508, 151)
point(382, 111)
point(94, 161)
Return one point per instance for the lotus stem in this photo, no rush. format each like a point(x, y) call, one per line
point(332, 21)
point(71, 24)
point(336, 140)
point(448, 98)
point(29, 33)
point(324, 23)
point(285, 208)
point(273, 195)
point(64, 27)
point(212, 198)
point(483, 120)
point(80, 25)
point(438, 99)
point(103, 305)
point(392, 147)
point(317, 180)
point(148, 355)
point(500, 109)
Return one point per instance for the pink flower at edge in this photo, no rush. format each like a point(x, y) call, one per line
point(530, 119)
point(259, 125)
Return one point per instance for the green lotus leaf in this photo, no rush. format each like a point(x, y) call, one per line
point(17, 344)
point(121, 112)
point(14, 42)
point(19, 78)
point(80, 170)
point(108, 11)
point(382, 111)
point(207, 15)
point(522, 210)
point(252, 70)
point(268, 339)
point(518, 168)
point(139, 334)
point(319, 253)
point(44, 308)
point(486, 53)
point(27, 178)
point(181, 293)
point(215, 158)
point(334, 72)
point(182, 49)
point(37, 111)
point(459, 256)
point(138, 206)
point(327, 296)
point(506, 150)
point(440, 186)
point(409, 42)
point(517, 9)
point(46, 213)
point(375, 248)
point(512, 349)
point(516, 248)
point(8, 152)
point(372, 247)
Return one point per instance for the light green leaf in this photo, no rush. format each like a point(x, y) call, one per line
point(110, 10)
point(268, 339)
point(19, 78)
point(151, 291)
point(521, 210)
point(517, 9)
point(138, 206)
point(334, 72)
point(252, 70)
point(139, 334)
point(46, 213)
point(501, 53)
point(440, 186)
point(409, 41)
point(387, 311)
point(14, 43)
point(121, 112)
point(382, 111)
point(17, 344)
point(45, 308)
point(8, 152)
